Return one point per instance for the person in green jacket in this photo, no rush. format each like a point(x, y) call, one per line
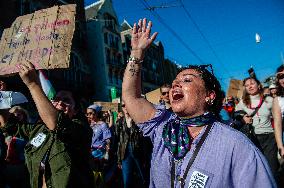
point(57, 153)
point(3, 150)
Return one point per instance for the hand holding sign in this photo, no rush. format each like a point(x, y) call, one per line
point(43, 37)
point(28, 74)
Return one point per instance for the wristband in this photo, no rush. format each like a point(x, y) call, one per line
point(135, 60)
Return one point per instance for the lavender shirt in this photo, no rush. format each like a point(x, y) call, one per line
point(226, 159)
point(101, 133)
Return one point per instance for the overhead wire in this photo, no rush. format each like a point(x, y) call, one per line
point(203, 36)
point(158, 17)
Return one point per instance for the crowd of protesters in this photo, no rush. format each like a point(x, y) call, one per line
point(65, 149)
point(195, 136)
point(258, 114)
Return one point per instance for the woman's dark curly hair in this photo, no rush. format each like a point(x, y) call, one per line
point(211, 84)
point(280, 89)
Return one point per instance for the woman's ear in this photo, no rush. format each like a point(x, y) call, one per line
point(212, 95)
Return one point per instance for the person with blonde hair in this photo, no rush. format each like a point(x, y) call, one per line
point(20, 114)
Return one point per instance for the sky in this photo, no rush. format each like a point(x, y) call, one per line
point(217, 32)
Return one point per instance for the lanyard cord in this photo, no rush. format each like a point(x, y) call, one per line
point(259, 104)
point(194, 155)
point(257, 108)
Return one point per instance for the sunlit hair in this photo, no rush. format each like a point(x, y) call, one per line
point(21, 110)
point(280, 89)
point(246, 96)
point(211, 84)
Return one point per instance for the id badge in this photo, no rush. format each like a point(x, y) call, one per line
point(38, 139)
point(198, 180)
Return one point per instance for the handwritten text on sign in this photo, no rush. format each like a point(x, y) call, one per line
point(43, 38)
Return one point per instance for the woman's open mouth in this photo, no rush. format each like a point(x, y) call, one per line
point(177, 95)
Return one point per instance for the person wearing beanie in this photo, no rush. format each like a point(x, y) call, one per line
point(101, 132)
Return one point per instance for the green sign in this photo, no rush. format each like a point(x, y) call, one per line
point(113, 92)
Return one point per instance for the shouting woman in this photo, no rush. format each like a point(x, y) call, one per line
point(191, 148)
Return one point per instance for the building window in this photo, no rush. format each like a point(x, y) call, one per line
point(114, 61)
point(106, 38)
point(143, 75)
point(119, 59)
point(154, 67)
point(116, 42)
point(108, 55)
point(116, 77)
point(110, 21)
point(73, 75)
point(111, 40)
point(128, 42)
point(110, 75)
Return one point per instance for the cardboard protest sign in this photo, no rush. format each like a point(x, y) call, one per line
point(235, 88)
point(43, 38)
point(116, 100)
point(154, 96)
point(108, 106)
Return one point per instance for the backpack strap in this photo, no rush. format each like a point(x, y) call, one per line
point(257, 108)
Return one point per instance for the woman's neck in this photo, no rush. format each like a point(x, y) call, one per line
point(192, 116)
point(256, 94)
point(195, 131)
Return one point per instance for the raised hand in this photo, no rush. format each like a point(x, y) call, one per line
point(28, 74)
point(141, 40)
point(131, 86)
point(46, 110)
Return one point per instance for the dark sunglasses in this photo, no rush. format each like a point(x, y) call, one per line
point(280, 76)
point(164, 93)
point(207, 67)
point(66, 100)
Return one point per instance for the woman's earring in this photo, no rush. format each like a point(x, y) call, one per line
point(209, 101)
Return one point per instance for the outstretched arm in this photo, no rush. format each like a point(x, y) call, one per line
point(46, 110)
point(139, 108)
